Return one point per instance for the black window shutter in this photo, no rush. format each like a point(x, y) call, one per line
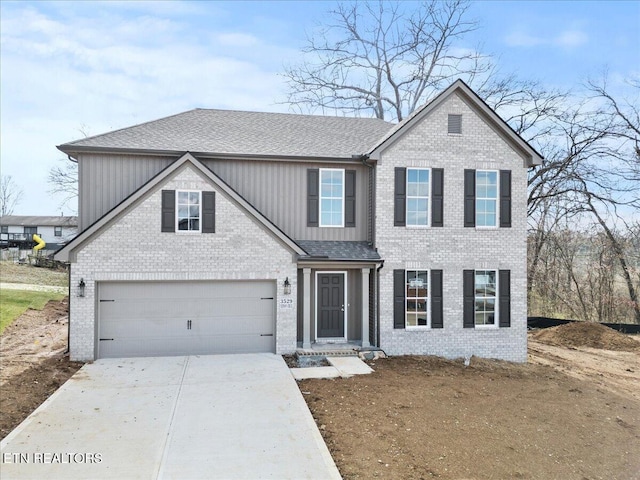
point(350, 198)
point(505, 198)
point(168, 211)
point(208, 212)
point(436, 299)
point(398, 298)
point(437, 194)
point(504, 289)
point(400, 202)
point(313, 197)
point(468, 288)
point(469, 198)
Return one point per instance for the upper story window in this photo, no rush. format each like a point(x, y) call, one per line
point(188, 211)
point(30, 230)
point(331, 197)
point(417, 298)
point(4, 229)
point(418, 197)
point(486, 287)
point(57, 231)
point(486, 198)
point(418, 192)
point(455, 124)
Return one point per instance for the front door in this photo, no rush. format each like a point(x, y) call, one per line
point(331, 305)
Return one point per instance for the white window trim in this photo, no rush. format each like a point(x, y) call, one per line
point(406, 204)
point(496, 320)
point(428, 298)
point(189, 232)
point(497, 225)
point(341, 170)
point(344, 338)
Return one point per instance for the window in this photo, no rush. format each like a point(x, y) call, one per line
point(417, 297)
point(486, 198)
point(418, 196)
point(4, 229)
point(485, 297)
point(57, 231)
point(30, 230)
point(192, 210)
point(188, 211)
point(455, 124)
point(331, 198)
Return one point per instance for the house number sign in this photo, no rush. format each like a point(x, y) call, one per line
point(286, 303)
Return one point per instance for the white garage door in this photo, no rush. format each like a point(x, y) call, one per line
point(142, 319)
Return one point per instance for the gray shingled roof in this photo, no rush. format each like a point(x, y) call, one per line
point(336, 250)
point(34, 221)
point(244, 133)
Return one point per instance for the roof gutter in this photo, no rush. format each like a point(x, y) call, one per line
point(71, 150)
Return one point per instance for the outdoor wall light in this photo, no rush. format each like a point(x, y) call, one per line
point(81, 287)
point(287, 286)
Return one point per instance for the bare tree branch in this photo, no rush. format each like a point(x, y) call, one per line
point(383, 58)
point(10, 195)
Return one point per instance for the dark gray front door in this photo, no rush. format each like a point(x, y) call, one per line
point(330, 305)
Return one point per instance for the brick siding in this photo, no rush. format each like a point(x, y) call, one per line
point(132, 248)
point(453, 247)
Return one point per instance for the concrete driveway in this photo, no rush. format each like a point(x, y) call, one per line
point(220, 416)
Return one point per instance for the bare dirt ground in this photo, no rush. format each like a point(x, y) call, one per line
point(32, 360)
point(570, 413)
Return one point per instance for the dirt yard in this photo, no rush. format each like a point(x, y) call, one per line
point(33, 362)
point(572, 412)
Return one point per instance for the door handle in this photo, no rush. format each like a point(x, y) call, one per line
point(342, 308)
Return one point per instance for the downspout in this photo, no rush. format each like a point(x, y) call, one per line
point(71, 159)
point(69, 313)
point(377, 303)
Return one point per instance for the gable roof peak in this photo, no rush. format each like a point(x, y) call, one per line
point(459, 86)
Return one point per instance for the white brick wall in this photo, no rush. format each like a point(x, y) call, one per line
point(133, 249)
point(453, 248)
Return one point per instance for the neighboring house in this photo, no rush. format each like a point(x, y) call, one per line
point(218, 231)
point(17, 231)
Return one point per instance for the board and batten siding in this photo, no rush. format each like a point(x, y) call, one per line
point(106, 180)
point(277, 189)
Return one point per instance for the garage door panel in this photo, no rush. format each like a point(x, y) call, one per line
point(186, 318)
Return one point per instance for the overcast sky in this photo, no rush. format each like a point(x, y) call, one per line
point(67, 67)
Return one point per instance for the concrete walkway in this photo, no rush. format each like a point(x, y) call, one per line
point(221, 416)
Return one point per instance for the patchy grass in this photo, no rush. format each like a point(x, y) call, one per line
point(14, 273)
point(15, 302)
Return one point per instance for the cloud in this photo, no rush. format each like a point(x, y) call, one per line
point(112, 66)
point(566, 39)
point(571, 39)
point(236, 39)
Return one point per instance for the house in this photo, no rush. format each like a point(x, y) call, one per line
point(17, 231)
point(217, 231)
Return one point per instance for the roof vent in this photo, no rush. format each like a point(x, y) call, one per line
point(455, 124)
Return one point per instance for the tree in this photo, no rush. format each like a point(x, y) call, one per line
point(592, 176)
point(380, 58)
point(10, 195)
point(63, 179)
